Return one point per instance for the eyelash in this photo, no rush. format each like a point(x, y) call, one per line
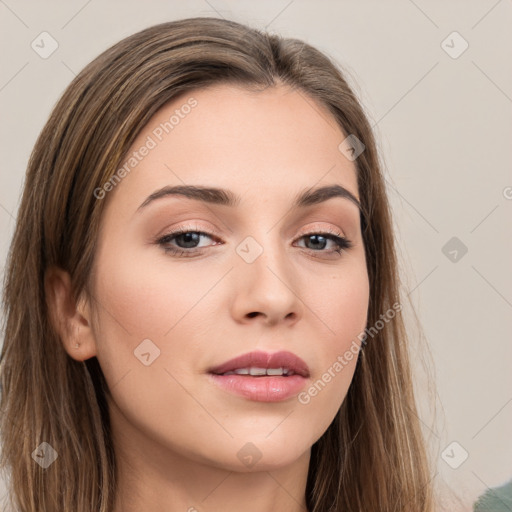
point(342, 242)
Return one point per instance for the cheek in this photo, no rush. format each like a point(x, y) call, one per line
point(343, 307)
point(341, 302)
point(142, 296)
point(138, 303)
point(146, 296)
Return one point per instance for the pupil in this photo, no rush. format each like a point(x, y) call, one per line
point(316, 237)
point(189, 236)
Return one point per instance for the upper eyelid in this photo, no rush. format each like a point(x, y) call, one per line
point(214, 235)
point(343, 219)
point(213, 232)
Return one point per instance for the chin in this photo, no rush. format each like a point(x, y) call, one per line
point(251, 454)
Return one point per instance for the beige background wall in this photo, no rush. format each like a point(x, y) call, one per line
point(444, 124)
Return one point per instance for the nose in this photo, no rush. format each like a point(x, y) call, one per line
point(266, 290)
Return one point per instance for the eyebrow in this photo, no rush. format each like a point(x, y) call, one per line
point(224, 197)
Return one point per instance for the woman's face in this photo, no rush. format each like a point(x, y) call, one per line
point(263, 274)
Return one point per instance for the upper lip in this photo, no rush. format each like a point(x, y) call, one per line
point(258, 359)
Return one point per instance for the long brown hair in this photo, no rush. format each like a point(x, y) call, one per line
point(372, 457)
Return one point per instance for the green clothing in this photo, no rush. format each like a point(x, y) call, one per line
point(498, 499)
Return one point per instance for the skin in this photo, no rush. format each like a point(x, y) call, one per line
point(175, 434)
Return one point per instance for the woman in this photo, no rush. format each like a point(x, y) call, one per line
point(202, 305)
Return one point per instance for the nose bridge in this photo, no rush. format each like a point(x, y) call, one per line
point(262, 250)
point(265, 280)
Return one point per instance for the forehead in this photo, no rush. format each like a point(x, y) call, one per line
point(261, 144)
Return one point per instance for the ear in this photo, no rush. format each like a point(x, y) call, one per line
point(71, 321)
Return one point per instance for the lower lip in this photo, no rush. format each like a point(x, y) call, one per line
point(261, 389)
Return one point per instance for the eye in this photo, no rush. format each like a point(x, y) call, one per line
point(187, 238)
point(319, 241)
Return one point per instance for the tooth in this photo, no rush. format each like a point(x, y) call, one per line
point(274, 371)
point(289, 372)
point(229, 373)
point(242, 371)
point(257, 371)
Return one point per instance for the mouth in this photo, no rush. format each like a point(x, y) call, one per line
point(260, 372)
point(260, 364)
point(262, 377)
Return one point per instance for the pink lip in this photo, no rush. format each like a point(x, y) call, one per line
point(262, 388)
point(260, 359)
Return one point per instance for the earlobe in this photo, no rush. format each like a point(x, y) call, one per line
point(70, 320)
